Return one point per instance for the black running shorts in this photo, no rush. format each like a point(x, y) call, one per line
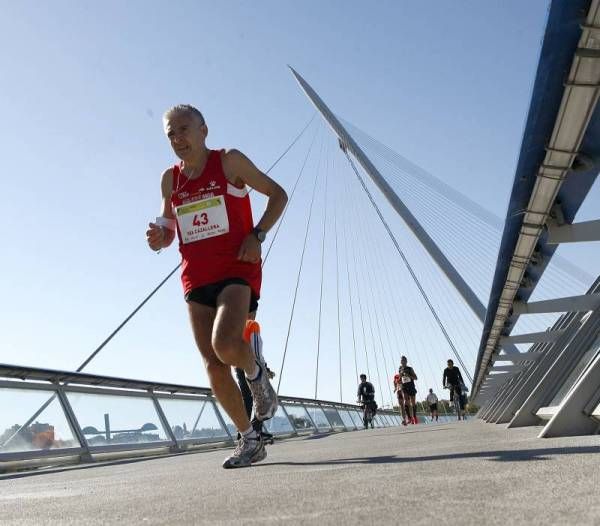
point(409, 389)
point(208, 294)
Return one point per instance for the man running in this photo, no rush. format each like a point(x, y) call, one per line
point(452, 380)
point(409, 390)
point(205, 202)
point(366, 396)
point(432, 401)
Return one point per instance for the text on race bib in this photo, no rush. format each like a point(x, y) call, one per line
point(202, 219)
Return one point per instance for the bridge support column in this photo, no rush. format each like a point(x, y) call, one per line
point(575, 414)
point(563, 361)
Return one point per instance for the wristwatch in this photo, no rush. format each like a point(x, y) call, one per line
point(261, 235)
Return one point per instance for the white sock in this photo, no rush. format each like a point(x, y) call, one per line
point(255, 374)
point(249, 433)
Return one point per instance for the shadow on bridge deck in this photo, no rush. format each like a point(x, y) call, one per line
point(468, 473)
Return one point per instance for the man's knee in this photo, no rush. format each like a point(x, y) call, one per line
point(216, 369)
point(226, 347)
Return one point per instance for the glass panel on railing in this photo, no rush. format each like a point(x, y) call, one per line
point(299, 417)
point(359, 419)
point(228, 422)
point(112, 419)
point(279, 424)
point(377, 421)
point(48, 430)
point(318, 417)
point(334, 418)
point(347, 419)
point(193, 420)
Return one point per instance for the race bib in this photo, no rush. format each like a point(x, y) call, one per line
point(202, 219)
point(406, 379)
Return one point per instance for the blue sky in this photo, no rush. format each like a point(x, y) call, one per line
point(445, 84)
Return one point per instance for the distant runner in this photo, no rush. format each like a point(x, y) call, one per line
point(409, 390)
point(432, 401)
point(205, 202)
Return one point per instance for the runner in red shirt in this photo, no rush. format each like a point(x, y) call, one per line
point(205, 203)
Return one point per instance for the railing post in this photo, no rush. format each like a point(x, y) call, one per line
point(175, 447)
point(221, 420)
point(85, 456)
point(295, 431)
point(311, 418)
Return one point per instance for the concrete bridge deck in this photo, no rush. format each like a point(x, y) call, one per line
point(459, 473)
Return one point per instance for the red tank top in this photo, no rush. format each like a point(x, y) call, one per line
point(213, 218)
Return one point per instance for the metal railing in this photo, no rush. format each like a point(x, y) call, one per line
point(65, 414)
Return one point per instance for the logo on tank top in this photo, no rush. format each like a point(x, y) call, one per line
point(212, 184)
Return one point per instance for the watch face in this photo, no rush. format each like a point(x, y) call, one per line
point(261, 236)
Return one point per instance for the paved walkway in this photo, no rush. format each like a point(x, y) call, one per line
point(460, 473)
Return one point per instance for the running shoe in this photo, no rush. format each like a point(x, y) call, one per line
point(247, 452)
point(263, 394)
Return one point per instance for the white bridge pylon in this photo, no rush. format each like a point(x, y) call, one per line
point(428, 243)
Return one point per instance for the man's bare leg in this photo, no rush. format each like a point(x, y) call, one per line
point(402, 405)
point(232, 349)
point(219, 374)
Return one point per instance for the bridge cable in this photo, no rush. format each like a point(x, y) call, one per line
point(385, 273)
point(410, 269)
point(438, 278)
point(321, 286)
point(561, 265)
point(291, 197)
point(287, 338)
point(337, 295)
point(346, 259)
point(368, 273)
point(380, 260)
point(413, 274)
point(487, 219)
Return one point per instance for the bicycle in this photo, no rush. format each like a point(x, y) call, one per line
point(455, 399)
point(368, 415)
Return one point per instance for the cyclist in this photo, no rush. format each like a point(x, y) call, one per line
point(366, 397)
point(452, 380)
point(409, 391)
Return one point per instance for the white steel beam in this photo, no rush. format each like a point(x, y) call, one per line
point(574, 233)
point(581, 303)
point(518, 358)
point(531, 337)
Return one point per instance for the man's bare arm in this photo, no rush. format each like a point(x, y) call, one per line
point(159, 236)
point(238, 168)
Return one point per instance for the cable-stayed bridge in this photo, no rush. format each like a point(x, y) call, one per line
point(387, 259)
